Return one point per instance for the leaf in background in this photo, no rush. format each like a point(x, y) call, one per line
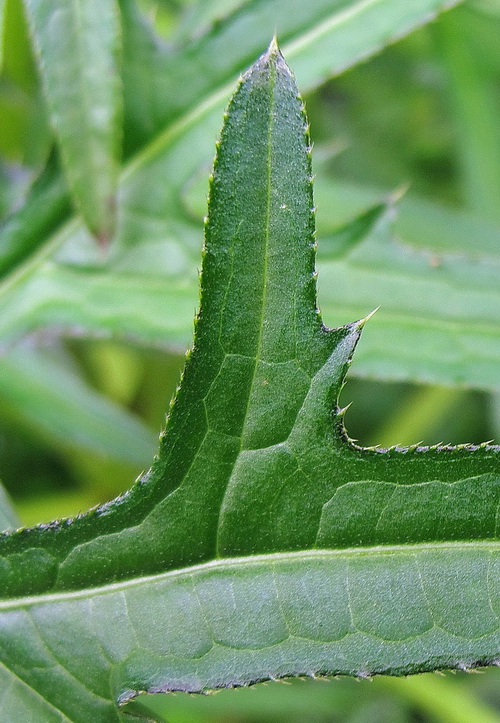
point(262, 543)
point(78, 46)
point(8, 516)
point(324, 38)
point(202, 15)
point(25, 230)
point(441, 303)
point(2, 17)
point(471, 90)
point(24, 134)
point(51, 400)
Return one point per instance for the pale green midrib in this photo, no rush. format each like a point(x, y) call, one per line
point(338, 19)
point(322, 28)
point(273, 53)
point(230, 563)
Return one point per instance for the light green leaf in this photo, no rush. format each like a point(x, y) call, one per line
point(25, 230)
point(262, 543)
point(24, 135)
point(78, 47)
point(323, 39)
point(2, 16)
point(51, 400)
point(8, 515)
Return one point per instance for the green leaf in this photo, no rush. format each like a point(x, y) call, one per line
point(52, 401)
point(340, 32)
point(2, 16)
point(8, 515)
point(78, 46)
point(25, 230)
point(24, 135)
point(443, 307)
point(262, 543)
point(470, 83)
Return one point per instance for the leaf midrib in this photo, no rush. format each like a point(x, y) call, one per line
point(263, 298)
point(249, 561)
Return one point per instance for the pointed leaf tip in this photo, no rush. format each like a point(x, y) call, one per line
point(362, 322)
point(274, 55)
point(274, 47)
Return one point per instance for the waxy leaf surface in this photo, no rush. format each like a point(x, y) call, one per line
point(262, 543)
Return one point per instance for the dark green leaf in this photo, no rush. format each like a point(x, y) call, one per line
point(262, 543)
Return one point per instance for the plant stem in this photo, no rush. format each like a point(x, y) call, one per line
point(440, 698)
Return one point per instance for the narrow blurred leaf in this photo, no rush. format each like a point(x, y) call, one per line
point(472, 90)
point(26, 229)
point(8, 515)
point(441, 699)
point(344, 238)
point(24, 132)
point(78, 46)
point(52, 400)
point(18, 61)
point(203, 15)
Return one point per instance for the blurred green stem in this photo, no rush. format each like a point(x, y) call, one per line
point(440, 698)
point(8, 515)
point(413, 420)
point(474, 100)
point(472, 93)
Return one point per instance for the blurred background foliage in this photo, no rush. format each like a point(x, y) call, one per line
point(83, 393)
